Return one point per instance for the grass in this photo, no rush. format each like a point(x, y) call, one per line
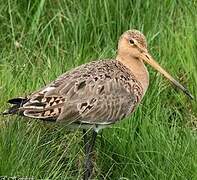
point(39, 40)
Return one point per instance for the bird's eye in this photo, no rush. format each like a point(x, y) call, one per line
point(131, 41)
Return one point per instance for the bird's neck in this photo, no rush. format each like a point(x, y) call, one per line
point(137, 67)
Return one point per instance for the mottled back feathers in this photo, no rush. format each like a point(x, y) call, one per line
point(99, 92)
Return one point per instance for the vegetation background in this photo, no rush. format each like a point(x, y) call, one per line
point(40, 39)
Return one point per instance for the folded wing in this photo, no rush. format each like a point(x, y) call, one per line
point(100, 92)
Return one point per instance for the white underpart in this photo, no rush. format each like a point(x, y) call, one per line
point(47, 89)
point(96, 128)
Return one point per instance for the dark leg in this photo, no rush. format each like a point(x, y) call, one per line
point(86, 143)
point(102, 139)
point(88, 153)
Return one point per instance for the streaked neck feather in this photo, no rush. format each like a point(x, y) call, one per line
point(138, 68)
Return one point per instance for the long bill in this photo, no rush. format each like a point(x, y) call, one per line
point(148, 59)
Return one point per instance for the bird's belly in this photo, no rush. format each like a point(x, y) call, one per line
point(96, 127)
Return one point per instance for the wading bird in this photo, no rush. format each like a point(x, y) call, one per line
point(97, 94)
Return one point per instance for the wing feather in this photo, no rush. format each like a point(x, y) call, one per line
point(100, 92)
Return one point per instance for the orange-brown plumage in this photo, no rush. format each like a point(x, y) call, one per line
point(98, 93)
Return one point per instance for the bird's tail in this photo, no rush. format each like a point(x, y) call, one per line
point(16, 104)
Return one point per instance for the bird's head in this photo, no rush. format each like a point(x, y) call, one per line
point(132, 45)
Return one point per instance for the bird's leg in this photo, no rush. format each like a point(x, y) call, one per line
point(86, 141)
point(88, 155)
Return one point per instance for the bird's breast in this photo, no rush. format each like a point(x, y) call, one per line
point(143, 78)
point(138, 70)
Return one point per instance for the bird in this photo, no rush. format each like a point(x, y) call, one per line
point(97, 94)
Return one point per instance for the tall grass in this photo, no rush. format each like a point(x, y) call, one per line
point(39, 40)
